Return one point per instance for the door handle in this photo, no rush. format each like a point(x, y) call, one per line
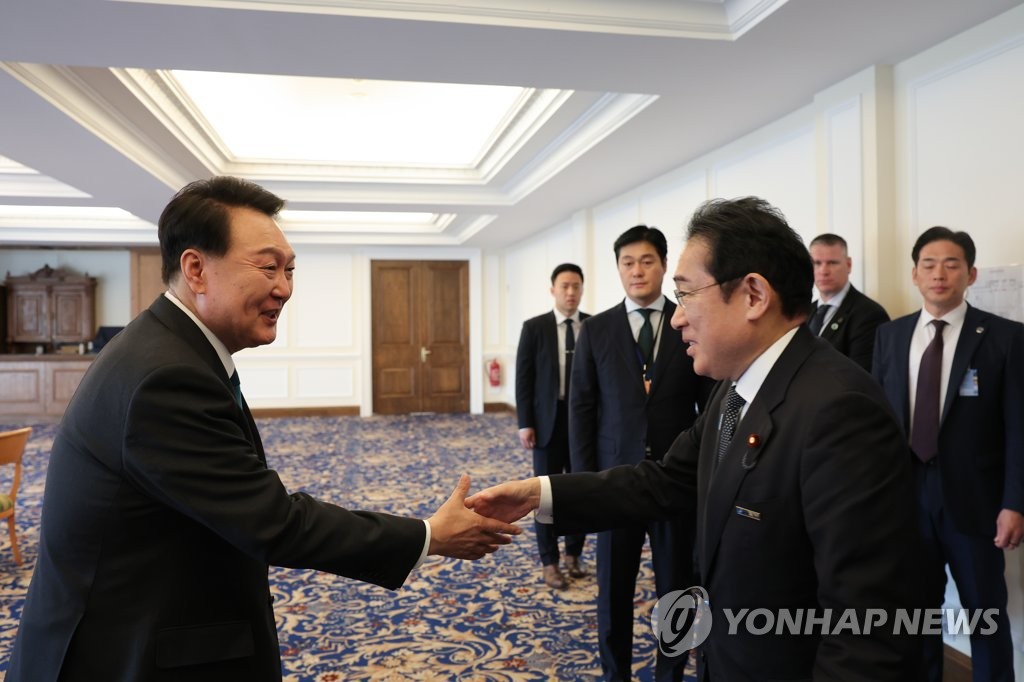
point(424, 352)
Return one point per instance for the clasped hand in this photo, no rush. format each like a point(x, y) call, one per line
point(456, 530)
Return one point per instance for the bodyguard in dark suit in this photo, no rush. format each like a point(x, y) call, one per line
point(843, 316)
point(160, 516)
point(543, 366)
point(957, 386)
point(633, 391)
point(803, 485)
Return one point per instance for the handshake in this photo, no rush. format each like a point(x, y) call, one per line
point(470, 527)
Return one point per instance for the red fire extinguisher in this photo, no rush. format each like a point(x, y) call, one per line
point(494, 372)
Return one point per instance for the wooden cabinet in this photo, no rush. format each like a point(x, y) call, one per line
point(40, 385)
point(50, 308)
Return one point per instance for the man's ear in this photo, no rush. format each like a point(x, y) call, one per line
point(757, 295)
point(193, 270)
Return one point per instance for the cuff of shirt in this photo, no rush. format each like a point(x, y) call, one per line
point(426, 546)
point(545, 512)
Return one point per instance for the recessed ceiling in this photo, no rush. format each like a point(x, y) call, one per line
point(467, 122)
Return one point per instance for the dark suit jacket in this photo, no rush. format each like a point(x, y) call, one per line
point(981, 438)
point(611, 418)
point(852, 328)
point(160, 518)
point(537, 373)
point(824, 465)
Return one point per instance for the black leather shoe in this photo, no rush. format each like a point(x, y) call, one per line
point(574, 568)
point(553, 578)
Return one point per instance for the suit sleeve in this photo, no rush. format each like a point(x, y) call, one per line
point(584, 402)
point(184, 446)
point(632, 493)
point(1013, 408)
point(862, 337)
point(526, 377)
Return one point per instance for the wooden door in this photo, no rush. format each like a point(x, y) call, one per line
point(146, 280)
point(420, 313)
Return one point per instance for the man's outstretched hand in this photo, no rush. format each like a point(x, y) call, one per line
point(509, 501)
point(458, 531)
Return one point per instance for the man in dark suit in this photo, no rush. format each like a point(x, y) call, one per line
point(803, 485)
point(955, 376)
point(160, 516)
point(843, 316)
point(633, 391)
point(543, 368)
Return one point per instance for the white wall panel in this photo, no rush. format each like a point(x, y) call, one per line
point(335, 383)
point(783, 173)
point(323, 298)
point(609, 220)
point(967, 148)
point(263, 384)
point(845, 171)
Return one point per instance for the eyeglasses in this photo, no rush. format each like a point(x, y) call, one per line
point(682, 296)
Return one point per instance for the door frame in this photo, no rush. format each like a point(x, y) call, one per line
point(473, 256)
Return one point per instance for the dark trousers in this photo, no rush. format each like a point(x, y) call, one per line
point(553, 458)
point(977, 568)
point(618, 561)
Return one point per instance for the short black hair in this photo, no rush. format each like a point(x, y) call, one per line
point(566, 267)
point(749, 235)
point(940, 233)
point(197, 217)
point(829, 239)
point(643, 233)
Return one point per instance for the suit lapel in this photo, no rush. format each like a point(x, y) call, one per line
point(902, 333)
point(971, 334)
point(835, 325)
point(752, 436)
point(666, 347)
point(627, 346)
point(180, 323)
point(549, 336)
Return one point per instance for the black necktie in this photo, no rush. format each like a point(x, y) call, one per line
point(818, 318)
point(570, 350)
point(236, 387)
point(924, 433)
point(730, 417)
point(645, 339)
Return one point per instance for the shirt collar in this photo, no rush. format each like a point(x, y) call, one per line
point(658, 305)
point(954, 317)
point(751, 380)
point(218, 345)
point(560, 318)
point(836, 300)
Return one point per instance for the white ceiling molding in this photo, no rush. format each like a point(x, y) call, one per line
point(704, 19)
point(49, 225)
point(608, 114)
point(63, 88)
point(17, 180)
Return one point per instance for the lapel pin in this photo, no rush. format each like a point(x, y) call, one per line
point(835, 326)
point(979, 330)
point(753, 440)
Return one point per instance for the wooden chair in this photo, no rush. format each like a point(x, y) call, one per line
point(12, 446)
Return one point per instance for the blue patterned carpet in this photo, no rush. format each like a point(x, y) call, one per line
point(493, 619)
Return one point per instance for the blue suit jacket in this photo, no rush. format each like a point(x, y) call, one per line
point(612, 419)
point(981, 437)
point(537, 372)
